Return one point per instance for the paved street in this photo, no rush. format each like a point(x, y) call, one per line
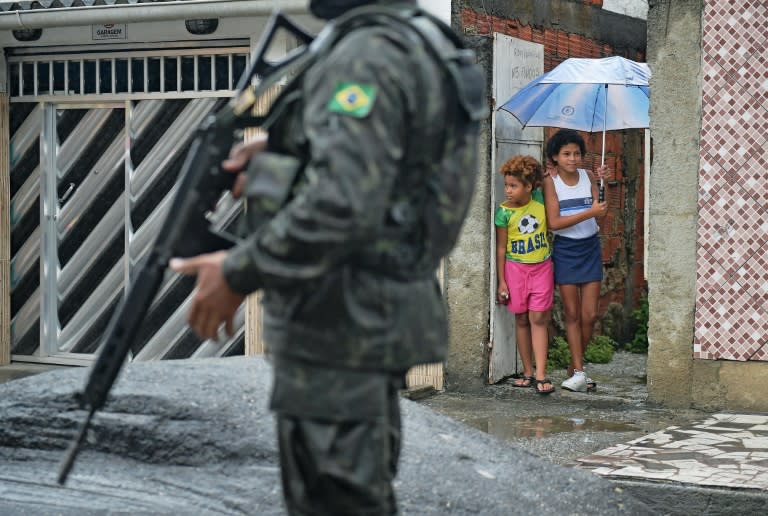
point(196, 437)
point(565, 426)
point(677, 461)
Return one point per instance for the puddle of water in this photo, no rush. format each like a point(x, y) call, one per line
point(513, 427)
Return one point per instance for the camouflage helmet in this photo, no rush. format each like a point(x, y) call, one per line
point(328, 9)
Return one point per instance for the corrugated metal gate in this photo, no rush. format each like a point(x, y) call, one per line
point(97, 141)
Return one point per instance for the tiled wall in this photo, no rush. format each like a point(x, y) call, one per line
point(732, 259)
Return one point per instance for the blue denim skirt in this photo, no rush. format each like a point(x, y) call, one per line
point(577, 260)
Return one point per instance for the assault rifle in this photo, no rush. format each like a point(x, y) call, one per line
point(186, 230)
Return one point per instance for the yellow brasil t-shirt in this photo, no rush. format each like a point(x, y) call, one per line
point(526, 230)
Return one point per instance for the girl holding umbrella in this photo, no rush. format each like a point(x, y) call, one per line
point(611, 93)
point(572, 206)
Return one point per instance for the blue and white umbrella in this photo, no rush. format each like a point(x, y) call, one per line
point(586, 95)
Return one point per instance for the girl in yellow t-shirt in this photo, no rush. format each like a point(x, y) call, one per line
point(523, 266)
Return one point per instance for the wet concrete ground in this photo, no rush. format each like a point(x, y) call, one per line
point(196, 437)
point(564, 426)
point(660, 461)
point(560, 427)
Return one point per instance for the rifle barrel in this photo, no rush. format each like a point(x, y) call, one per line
point(74, 447)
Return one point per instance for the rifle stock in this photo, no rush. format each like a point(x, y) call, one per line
point(185, 231)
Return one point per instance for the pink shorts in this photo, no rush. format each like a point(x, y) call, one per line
point(531, 286)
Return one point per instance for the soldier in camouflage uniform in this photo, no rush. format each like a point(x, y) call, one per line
point(350, 301)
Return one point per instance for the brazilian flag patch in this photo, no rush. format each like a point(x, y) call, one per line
point(353, 99)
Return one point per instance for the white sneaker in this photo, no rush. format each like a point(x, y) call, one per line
point(576, 383)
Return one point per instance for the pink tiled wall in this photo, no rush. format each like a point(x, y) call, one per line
point(732, 259)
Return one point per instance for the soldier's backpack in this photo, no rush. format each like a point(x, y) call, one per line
point(428, 209)
point(435, 211)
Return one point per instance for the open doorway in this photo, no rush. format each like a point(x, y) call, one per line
point(516, 63)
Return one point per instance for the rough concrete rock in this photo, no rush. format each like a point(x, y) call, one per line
point(196, 437)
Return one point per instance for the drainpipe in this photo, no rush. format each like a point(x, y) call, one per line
point(134, 13)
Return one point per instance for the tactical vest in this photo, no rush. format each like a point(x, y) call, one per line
point(429, 207)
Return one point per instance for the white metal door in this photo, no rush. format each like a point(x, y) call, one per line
point(515, 64)
point(97, 141)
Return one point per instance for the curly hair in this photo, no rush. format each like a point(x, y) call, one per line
point(562, 138)
point(526, 168)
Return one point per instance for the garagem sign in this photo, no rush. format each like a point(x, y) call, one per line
point(108, 31)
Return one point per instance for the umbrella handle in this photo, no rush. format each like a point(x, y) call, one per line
point(601, 188)
point(601, 192)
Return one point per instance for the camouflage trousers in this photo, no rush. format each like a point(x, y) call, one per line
point(339, 446)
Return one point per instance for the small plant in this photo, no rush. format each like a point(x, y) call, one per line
point(559, 355)
point(639, 343)
point(600, 350)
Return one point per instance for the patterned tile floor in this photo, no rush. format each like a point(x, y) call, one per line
point(725, 450)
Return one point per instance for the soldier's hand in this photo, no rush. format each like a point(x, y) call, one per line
point(238, 160)
point(213, 302)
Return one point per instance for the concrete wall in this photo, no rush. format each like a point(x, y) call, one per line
point(675, 377)
point(674, 55)
point(440, 8)
point(466, 270)
point(634, 8)
point(568, 16)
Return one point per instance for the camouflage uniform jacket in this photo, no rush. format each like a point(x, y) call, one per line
point(358, 124)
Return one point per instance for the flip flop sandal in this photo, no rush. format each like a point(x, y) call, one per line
point(527, 381)
point(545, 381)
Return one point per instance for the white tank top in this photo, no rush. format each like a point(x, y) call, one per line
point(575, 199)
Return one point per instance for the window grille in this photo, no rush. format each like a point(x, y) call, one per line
point(211, 72)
